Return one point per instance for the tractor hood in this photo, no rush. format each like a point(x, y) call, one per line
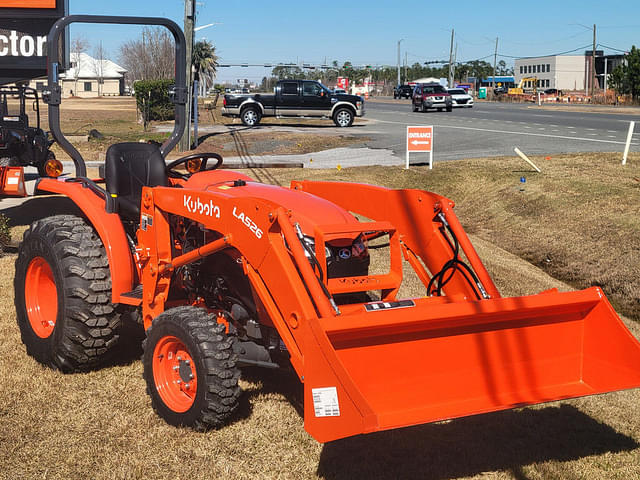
point(307, 209)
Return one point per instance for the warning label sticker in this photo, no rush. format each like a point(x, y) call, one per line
point(377, 306)
point(325, 402)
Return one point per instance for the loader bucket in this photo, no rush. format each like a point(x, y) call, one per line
point(397, 365)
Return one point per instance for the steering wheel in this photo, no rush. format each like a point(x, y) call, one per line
point(203, 157)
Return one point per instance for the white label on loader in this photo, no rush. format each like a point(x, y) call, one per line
point(12, 180)
point(325, 402)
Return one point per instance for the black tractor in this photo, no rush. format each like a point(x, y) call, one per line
point(22, 145)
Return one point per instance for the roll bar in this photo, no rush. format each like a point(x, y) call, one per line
point(52, 95)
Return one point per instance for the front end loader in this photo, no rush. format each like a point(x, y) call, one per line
point(226, 272)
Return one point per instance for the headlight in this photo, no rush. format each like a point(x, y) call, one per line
point(311, 243)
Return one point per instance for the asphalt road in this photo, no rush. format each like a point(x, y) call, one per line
point(494, 129)
point(488, 129)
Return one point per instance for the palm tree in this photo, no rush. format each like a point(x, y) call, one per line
point(204, 60)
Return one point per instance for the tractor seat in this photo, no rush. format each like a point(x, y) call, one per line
point(129, 166)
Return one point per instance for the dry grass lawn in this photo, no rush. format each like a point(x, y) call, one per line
point(578, 219)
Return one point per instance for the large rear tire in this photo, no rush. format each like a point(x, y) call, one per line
point(63, 295)
point(250, 116)
point(190, 369)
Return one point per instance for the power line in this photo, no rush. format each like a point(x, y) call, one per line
point(581, 32)
point(614, 49)
point(551, 55)
point(478, 59)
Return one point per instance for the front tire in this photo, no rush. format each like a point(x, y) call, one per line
point(343, 117)
point(63, 295)
point(250, 117)
point(9, 162)
point(190, 369)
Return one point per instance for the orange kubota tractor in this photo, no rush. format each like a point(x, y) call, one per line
point(227, 272)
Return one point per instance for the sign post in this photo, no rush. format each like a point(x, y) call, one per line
point(420, 139)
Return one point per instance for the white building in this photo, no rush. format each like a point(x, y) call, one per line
point(564, 72)
point(89, 77)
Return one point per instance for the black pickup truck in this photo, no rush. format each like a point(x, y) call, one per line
point(295, 98)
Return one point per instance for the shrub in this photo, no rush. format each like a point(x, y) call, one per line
point(5, 235)
point(152, 99)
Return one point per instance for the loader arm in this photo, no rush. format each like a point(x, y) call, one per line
point(414, 214)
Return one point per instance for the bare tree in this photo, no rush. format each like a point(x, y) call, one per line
point(79, 45)
point(98, 65)
point(149, 57)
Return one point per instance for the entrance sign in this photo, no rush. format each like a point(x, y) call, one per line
point(420, 139)
point(24, 26)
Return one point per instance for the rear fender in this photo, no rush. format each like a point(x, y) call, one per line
point(251, 103)
point(12, 182)
point(107, 225)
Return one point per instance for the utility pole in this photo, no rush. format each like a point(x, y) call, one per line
point(495, 61)
point(455, 60)
point(451, 62)
point(406, 64)
point(399, 60)
point(189, 22)
point(593, 62)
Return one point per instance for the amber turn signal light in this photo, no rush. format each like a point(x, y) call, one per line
point(53, 168)
point(193, 165)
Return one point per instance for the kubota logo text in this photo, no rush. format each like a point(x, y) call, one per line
point(196, 206)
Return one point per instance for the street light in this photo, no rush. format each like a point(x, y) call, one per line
point(399, 59)
point(197, 29)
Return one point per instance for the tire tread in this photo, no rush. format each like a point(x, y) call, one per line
point(91, 322)
point(215, 348)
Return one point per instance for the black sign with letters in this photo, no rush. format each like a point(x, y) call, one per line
point(24, 26)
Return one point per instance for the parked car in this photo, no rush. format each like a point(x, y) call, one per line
point(500, 90)
point(552, 91)
point(403, 91)
point(431, 95)
point(295, 98)
point(460, 97)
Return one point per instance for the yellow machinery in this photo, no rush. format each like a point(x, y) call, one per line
point(519, 90)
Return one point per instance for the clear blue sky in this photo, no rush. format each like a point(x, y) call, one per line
point(367, 32)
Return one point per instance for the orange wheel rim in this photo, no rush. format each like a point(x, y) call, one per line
point(41, 297)
point(174, 374)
